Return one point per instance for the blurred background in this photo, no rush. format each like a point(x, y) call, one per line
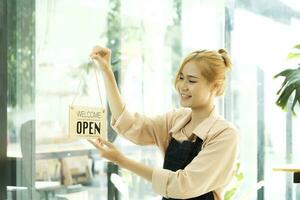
point(45, 47)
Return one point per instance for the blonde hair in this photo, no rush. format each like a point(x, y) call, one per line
point(213, 64)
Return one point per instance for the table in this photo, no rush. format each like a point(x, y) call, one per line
point(295, 169)
point(54, 151)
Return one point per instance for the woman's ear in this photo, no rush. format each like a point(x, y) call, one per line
point(215, 88)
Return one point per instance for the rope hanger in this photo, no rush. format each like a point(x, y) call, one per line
point(91, 62)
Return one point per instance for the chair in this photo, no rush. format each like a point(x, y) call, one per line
point(27, 135)
point(76, 170)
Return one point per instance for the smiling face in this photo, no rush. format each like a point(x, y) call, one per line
point(194, 90)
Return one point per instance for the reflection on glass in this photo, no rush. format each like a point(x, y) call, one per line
point(45, 67)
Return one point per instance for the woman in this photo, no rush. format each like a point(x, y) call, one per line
point(198, 145)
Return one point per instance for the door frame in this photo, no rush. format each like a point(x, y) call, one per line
point(3, 98)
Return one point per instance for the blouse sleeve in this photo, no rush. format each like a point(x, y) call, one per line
point(141, 129)
point(211, 169)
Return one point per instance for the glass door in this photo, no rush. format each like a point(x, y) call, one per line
point(18, 64)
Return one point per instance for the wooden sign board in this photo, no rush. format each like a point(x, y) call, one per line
point(87, 122)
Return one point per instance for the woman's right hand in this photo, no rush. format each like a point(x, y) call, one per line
point(103, 57)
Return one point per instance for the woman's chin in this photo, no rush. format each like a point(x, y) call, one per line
point(184, 104)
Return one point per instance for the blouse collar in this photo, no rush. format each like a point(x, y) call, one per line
point(202, 128)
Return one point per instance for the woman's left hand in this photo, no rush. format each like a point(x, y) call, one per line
point(107, 150)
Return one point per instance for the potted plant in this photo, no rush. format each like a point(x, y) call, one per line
point(291, 83)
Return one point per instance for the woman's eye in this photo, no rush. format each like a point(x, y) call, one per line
point(180, 78)
point(192, 81)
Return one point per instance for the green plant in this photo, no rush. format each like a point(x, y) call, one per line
point(237, 181)
point(291, 83)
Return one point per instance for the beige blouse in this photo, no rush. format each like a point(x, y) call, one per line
point(211, 170)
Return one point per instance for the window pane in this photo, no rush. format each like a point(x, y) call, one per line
point(260, 44)
point(49, 42)
point(66, 31)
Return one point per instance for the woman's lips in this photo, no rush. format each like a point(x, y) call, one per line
point(185, 96)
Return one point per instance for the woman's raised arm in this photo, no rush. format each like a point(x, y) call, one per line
point(103, 56)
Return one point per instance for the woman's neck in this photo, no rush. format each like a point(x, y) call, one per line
point(199, 114)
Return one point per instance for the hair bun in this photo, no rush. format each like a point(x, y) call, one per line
point(222, 51)
point(225, 57)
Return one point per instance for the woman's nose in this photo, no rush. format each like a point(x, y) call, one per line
point(184, 86)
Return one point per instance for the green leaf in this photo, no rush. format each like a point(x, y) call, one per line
point(296, 53)
point(286, 72)
point(282, 101)
point(238, 165)
point(293, 55)
point(290, 85)
point(240, 177)
point(237, 181)
point(229, 194)
point(296, 98)
point(297, 46)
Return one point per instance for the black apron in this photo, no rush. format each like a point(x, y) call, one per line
point(179, 155)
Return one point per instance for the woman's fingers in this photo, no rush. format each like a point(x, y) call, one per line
point(106, 142)
point(97, 145)
point(107, 150)
point(100, 142)
point(101, 51)
point(102, 55)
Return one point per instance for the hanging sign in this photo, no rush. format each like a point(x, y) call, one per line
point(87, 122)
